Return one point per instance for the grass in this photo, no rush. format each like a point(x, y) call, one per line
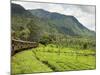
point(25, 62)
point(50, 58)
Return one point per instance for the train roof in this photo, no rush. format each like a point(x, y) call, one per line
point(22, 41)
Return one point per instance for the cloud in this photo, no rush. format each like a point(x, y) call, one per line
point(84, 14)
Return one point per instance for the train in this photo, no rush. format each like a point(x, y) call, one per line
point(20, 45)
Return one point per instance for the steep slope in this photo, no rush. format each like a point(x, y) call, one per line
point(34, 24)
point(17, 9)
point(64, 24)
point(23, 24)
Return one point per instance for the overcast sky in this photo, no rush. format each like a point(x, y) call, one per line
point(85, 14)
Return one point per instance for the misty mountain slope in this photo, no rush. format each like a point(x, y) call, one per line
point(64, 24)
point(46, 23)
point(17, 9)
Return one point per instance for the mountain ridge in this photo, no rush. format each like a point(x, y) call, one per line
point(41, 13)
point(53, 22)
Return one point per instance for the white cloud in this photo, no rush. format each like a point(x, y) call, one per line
point(85, 14)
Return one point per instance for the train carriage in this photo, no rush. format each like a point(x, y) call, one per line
point(19, 45)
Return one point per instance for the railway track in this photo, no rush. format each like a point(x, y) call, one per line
point(19, 45)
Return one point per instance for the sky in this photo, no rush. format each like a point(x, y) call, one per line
point(84, 13)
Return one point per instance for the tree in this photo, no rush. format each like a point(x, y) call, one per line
point(34, 31)
point(24, 34)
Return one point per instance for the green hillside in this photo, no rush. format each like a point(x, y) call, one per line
point(48, 22)
point(63, 24)
point(64, 44)
point(46, 27)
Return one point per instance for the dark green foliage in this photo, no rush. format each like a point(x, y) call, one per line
point(64, 43)
point(50, 28)
point(45, 40)
point(17, 9)
point(34, 31)
point(67, 25)
point(24, 29)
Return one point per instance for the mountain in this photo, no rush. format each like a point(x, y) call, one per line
point(63, 23)
point(17, 9)
point(41, 13)
point(33, 24)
